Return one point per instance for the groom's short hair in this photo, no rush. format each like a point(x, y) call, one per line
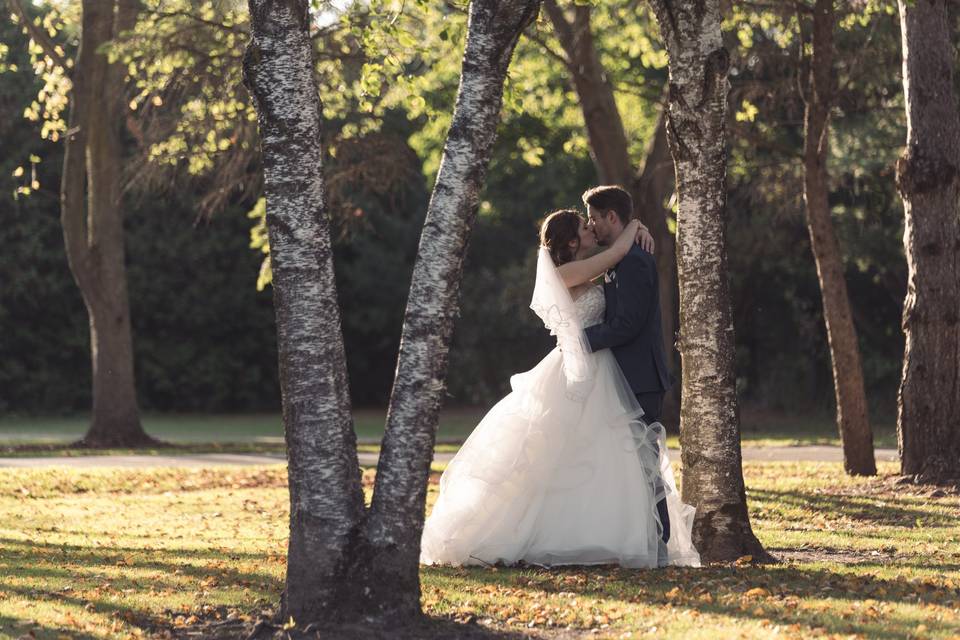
point(610, 198)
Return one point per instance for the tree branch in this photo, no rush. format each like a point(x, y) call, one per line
point(563, 28)
point(555, 14)
point(802, 59)
point(37, 35)
point(861, 55)
point(210, 23)
point(559, 57)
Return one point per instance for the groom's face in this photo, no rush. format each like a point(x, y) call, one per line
point(605, 224)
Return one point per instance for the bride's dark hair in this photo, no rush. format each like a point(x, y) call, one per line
point(556, 232)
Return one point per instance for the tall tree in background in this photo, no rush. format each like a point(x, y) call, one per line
point(853, 420)
point(709, 415)
point(652, 185)
point(345, 561)
point(928, 177)
point(91, 211)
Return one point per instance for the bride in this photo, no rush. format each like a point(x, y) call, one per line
point(563, 470)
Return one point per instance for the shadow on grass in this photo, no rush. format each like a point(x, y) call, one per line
point(38, 450)
point(846, 602)
point(30, 629)
point(90, 574)
point(35, 570)
point(168, 561)
point(428, 627)
point(861, 508)
point(787, 589)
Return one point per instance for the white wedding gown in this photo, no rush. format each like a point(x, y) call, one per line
point(561, 472)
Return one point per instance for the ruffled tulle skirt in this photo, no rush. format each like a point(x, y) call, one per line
point(560, 474)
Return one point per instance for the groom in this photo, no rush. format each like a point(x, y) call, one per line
point(631, 326)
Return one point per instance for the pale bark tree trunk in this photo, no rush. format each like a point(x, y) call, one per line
point(326, 499)
point(652, 189)
point(390, 565)
point(709, 417)
point(928, 177)
point(609, 149)
point(91, 213)
point(853, 421)
point(346, 563)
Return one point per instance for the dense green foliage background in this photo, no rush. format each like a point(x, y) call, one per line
point(204, 336)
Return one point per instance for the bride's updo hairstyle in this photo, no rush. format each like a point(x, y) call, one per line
point(556, 232)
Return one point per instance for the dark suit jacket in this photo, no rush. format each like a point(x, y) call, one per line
point(631, 326)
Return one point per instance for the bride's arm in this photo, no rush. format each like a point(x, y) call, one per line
point(580, 271)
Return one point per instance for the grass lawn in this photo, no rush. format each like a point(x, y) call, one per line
point(120, 553)
point(194, 433)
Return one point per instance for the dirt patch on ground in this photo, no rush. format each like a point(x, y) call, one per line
point(220, 624)
point(840, 556)
point(897, 486)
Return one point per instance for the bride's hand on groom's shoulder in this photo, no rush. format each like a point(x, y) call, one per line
point(644, 238)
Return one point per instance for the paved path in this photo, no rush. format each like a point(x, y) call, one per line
point(766, 454)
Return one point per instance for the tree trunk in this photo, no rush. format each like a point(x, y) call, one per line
point(608, 141)
point(652, 189)
point(709, 418)
point(345, 563)
point(853, 420)
point(928, 177)
point(609, 149)
point(388, 571)
point(326, 500)
point(93, 234)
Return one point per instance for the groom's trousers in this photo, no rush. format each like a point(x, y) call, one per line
point(652, 405)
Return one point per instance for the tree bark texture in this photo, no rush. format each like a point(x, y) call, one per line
point(92, 219)
point(709, 417)
point(652, 188)
point(345, 562)
point(609, 149)
point(326, 499)
point(390, 569)
point(853, 421)
point(928, 177)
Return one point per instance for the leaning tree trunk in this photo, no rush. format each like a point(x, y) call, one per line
point(605, 132)
point(326, 500)
point(853, 420)
point(92, 219)
point(609, 149)
point(387, 580)
point(709, 417)
point(928, 177)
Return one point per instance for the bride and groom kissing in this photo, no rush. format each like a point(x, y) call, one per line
point(571, 467)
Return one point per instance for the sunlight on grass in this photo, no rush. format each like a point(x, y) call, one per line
point(117, 553)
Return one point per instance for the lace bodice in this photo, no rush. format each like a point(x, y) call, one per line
point(590, 306)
